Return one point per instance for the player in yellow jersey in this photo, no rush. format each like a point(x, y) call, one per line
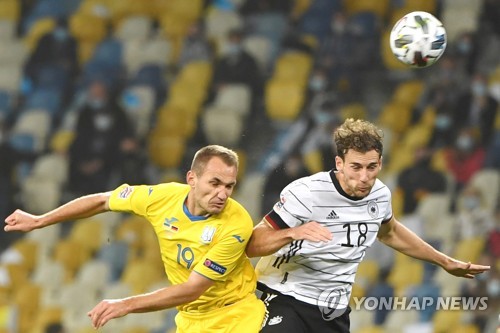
point(202, 234)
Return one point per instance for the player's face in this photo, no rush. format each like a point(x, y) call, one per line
point(212, 188)
point(358, 171)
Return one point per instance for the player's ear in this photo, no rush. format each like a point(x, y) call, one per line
point(339, 164)
point(190, 178)
point(380, 163)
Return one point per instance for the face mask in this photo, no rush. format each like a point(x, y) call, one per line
point(322, 117)
point(60, 34)
point(317, 83)
point(478, 89)
point(233, 49)
point(102, 122)
point(494, 90)
point(442, 122)
point(464, 47)
point(493, 288)
point(471, 202)
point(464, 142)
point(95, 104)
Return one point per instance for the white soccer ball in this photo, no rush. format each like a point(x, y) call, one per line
point(418, 39)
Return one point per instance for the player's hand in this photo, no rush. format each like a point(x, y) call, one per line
point(465, 269)
point(107, 310)
point(311, 231)
point(21, 221)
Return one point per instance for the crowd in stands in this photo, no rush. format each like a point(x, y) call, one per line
point(95, 93)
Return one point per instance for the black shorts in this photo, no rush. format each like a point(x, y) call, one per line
point(289, 315)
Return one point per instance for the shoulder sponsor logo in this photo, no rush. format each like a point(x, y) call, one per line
point(125, 193)
point(332, 215)
point(215, 266)
point(372, 208)
point(275, 320)
point(168, 224)
point(238, 238)
point(207, 234)
point(280, 203)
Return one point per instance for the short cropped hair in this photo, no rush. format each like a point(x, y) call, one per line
point(206, 153)
point(358, 135)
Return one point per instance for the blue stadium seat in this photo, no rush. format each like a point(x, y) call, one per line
point(48, 99)
point(109, 52)
point(42, 9)
point(151, 75)
point(51, 76)
point(22, 142)
point(5, 104)
point(317, 18)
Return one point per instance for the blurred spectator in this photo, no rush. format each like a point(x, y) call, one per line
point(475, 108)
point(250, 7)
point(428, 289)
point(381, 290)
point(474, 220)
point(104, 141)
point(236, 65)
point(289, 170)
point(420, 179)
point(56, 48)
point(195, 46)
point(466, 51)
point(55, 328)
point(465, 158)
point(489, 16)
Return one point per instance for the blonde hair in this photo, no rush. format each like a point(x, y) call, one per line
point(359, 135)
point(205, 154)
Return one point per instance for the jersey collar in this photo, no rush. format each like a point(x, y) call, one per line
point(193, 218)
point(339, 188)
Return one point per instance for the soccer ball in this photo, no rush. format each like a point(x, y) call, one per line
point(418, 39)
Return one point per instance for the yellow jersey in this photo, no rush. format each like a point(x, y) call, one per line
point(213, 246)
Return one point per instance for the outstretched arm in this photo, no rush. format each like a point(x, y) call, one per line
point(160, 299)
point(402, 239)
point(266, 240)
point(82, 207)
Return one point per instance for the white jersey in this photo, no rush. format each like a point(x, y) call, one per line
point(308, 271)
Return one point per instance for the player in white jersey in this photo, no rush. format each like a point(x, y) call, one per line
point(317, 234)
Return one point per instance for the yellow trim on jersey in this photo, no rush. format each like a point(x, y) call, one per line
point(213, 247)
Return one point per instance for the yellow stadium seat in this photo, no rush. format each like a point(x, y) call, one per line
point(446, 321)
point(438, 161)
point(10, 10)
point(28, 249)
point(137, 330)
point(429, 6)
point(100, 8)
point(85, 51)
point(468, 328)
point(401, 158)
point(395, 116)
point(380, 7)
point(88, 232)
point(469, 249)
point(131, 231)
point(46, 316)
point(197, 73)
point(293, 66)
point(313, 161)
point(186, 96)
point(354, 110)
point(27, 300)
point(37, 30)
point(368, 272)
point(284, 99)
point(18, 276)
point(166, 151)
point(417, 136)
point(189, 11)
point(71, 255)
point(87, 28)
point(299, 8)
point(408, 92)
point(125, 8)
point(140, 275)
point(176, 122)
point(61, 141)
point(390, 61)
point(397, 202)
point(404, 275)
point(371, 329)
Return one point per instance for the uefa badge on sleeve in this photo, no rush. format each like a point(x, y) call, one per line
point(333, 302)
